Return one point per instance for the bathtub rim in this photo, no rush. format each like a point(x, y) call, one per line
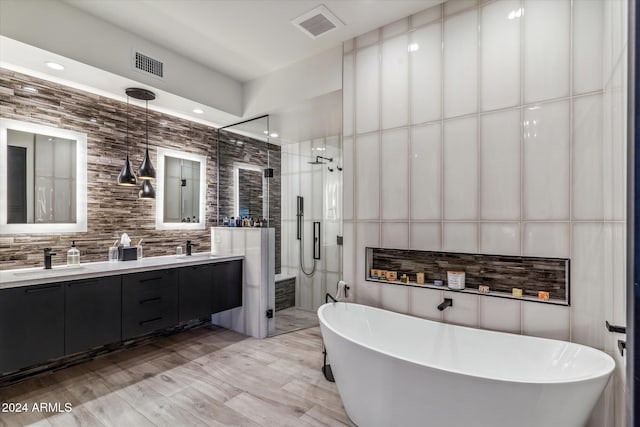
point(608, 358)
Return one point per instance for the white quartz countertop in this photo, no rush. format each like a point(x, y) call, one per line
point(61, 273)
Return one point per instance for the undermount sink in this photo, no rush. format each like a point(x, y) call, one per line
point(44, 272)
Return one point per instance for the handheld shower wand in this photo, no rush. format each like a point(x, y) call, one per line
point(300, 237)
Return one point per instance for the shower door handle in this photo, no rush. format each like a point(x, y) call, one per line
point(316, 240)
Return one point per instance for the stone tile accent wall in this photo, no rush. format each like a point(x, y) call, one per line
point(500, 272)
point(239, 148)
point(285, 293)
point(112, 210)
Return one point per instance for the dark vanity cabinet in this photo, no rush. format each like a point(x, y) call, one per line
point(31, 325)
point(227, 285)
point(40, 323)
point(195, 291)
point(93, 315)
point(149, 302)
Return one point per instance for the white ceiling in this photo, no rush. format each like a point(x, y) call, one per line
point(245, 39)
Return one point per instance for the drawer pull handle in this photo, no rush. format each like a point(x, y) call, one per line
point(150, 300)
point(155, 319)
point(38, 290)
point(84, 283)
point(151, 279)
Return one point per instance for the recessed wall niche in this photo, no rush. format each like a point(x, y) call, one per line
point(500, 273)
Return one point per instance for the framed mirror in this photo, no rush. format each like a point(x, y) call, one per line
point(249, 191)
point(181, 195)
point(43, 186)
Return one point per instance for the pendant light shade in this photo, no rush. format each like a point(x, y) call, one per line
point(126, 177)
point(146, 190)
point(147, 171)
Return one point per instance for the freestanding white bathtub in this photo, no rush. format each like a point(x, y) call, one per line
point(397, 370)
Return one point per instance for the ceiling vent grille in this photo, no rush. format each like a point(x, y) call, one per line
point(149, 65)
point(317, 22)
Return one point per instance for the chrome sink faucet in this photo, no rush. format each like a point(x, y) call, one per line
point(47, 258)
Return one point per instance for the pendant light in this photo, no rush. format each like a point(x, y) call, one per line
point(126, 177)
point(146, 190)
point(147, 171)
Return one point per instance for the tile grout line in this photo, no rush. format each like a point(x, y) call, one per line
point(478, 141)
point(442, 130)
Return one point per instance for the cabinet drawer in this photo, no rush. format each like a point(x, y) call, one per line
point(92, 313)
point(227, 285)
point(149, 302)
point(195, 291)
point(31, 325)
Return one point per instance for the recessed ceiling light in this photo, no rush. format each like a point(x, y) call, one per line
point(30, 89)
point(274, 135)
point(54, 65)
point(266, 132)
point(198, 111)
point(413, 47)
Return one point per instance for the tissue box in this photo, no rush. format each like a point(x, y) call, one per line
point(127, 254)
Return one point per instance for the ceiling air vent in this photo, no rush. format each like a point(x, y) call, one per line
point(317, 22)
point(147, 64)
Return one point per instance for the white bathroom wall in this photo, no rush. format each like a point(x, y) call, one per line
point(322, 192)
point(494, 127)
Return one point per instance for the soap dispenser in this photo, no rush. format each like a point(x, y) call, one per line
point(73, 255)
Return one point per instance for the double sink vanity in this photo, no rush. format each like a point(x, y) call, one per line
point(49, 314)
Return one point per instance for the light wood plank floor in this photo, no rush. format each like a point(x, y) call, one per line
point(294, 318)
point(203, 377)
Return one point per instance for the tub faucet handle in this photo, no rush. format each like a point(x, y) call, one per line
point(448, 302)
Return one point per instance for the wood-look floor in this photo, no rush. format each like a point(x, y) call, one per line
point(203, 377)
point(294, 318)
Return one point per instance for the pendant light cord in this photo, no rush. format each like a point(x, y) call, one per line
point(127, 125)
point(147, 119)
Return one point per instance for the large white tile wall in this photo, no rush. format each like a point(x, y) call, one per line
point(494, 127)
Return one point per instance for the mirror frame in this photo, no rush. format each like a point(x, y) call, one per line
point(160, 224)
point(236, 187)
point(81, 179)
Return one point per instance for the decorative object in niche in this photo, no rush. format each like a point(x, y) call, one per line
point(44, 189)
point(178, 206)
point(534, 278)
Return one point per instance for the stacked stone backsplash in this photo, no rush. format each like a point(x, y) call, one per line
point(501, 273)
point(111, 209)
point(239, 148)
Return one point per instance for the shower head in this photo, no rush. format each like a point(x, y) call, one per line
point(318, 162)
